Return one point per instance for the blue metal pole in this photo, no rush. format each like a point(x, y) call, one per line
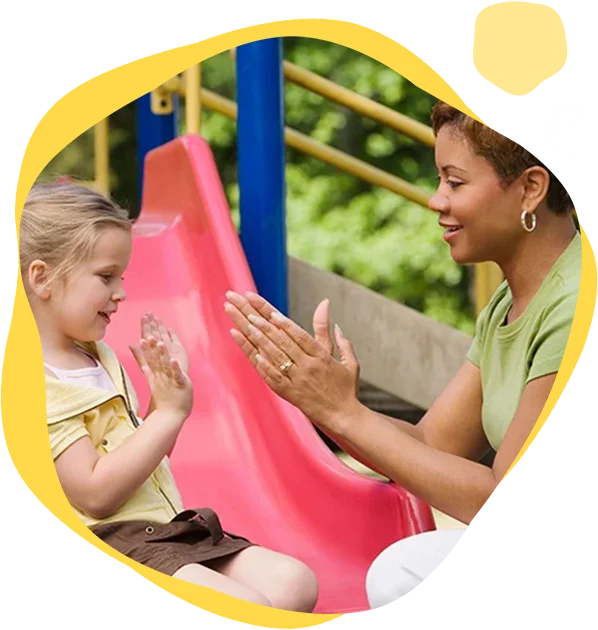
point(261, 154)
point(152, 131)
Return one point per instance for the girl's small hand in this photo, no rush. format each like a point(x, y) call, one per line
point(152, 326)
point(172, 390)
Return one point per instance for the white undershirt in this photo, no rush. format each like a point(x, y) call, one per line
point(86, 377)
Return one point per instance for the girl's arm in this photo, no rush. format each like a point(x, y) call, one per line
point(100, 485)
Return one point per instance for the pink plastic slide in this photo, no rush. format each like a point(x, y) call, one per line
point(245, 452)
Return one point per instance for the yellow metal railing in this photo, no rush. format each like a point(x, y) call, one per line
point(358, 103)
point(309, 146)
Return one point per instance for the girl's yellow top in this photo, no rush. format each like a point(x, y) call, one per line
point(108, 420)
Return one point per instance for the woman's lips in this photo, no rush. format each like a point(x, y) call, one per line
point(451, 232)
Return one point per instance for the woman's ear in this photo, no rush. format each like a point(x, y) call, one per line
point(536, 182)
point(37, 277)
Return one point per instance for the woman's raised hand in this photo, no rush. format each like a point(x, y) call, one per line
point(296, 366)
point(321, 326)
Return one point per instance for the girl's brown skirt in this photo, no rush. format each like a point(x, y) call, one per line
point(192, 537)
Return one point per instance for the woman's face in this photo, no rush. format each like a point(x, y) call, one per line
point(481, 218)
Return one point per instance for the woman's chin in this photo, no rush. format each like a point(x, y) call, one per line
point(461, 256)
point(464, 255)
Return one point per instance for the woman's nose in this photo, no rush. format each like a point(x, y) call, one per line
point(438, 202)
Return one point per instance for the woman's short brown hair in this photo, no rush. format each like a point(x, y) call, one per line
point(508, 159)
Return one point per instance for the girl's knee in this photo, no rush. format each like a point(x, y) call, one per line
point(203, 576)
point(296, 588)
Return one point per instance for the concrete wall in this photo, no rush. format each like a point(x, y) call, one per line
point(400, 350)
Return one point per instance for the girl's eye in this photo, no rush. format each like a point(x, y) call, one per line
point(106, 277)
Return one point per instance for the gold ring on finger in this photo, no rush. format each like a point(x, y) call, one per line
point(286, 366)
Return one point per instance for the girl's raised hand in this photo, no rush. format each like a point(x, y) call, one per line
point(152, 326)
point(172, 390)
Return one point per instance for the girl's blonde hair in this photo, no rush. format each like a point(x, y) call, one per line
point(61, 224)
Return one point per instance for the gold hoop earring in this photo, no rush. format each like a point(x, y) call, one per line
point(524, 223)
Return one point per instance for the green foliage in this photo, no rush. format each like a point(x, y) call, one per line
point(334, 221)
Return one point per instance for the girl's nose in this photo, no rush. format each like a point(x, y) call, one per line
point(119, 295)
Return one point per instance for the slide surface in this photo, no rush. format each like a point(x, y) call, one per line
point(244, 452)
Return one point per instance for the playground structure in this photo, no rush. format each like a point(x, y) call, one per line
point(245, 452)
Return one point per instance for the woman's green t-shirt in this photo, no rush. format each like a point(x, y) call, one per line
point(511, 355)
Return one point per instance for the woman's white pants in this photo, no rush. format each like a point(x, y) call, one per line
point(462, 572)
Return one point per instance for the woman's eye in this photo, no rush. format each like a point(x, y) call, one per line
point(450, 182)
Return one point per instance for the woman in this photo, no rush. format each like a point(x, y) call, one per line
point(496, 202)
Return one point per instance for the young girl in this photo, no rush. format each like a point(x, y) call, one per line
point(75, 246)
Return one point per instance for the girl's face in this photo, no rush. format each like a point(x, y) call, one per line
point(481, 218)
point(83, 309)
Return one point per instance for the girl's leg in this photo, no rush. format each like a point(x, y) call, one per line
point(286, 582)
point(203, 576)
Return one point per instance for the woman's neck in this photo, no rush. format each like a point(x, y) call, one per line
point(530, 262)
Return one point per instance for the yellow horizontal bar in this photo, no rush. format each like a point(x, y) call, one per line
point(358, 103)
point(327, 154)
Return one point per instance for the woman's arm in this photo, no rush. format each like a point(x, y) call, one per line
point(444, 479)
point(452, 424)
point(436, 468)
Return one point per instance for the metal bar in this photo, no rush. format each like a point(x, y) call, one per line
point(192, 78)
point(358, 103)
point(487, 278)
point(327, 154)
point(153, 129)
point(101, 157)
point(261, 159)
